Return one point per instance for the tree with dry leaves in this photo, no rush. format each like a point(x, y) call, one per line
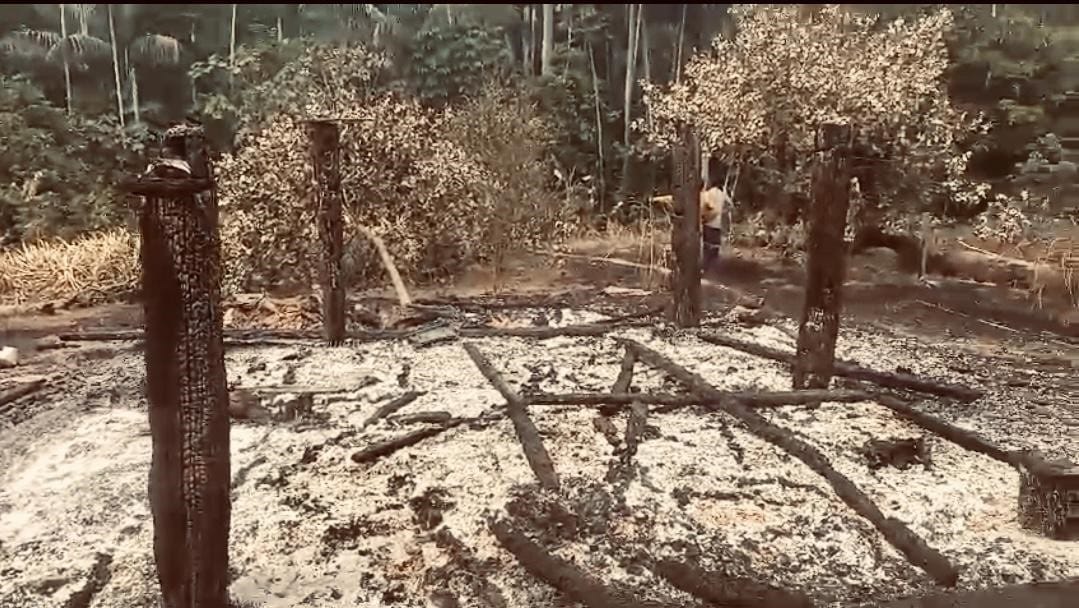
point(757, 98)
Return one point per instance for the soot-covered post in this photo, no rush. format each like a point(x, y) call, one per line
point(185, 372)
point(325, 139)
point(826, 258)
point(686, 230)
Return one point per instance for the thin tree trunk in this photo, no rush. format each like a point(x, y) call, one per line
point(646, 53)
point(63, 55)
point(232, 47)
point(547, 50)
point(133, 76)
point(627, 105)
point(686, 231)
point(568, 8)
point(681, 45)
point(529, 63)
point(825, 260)
point(280, 29)
point(194, 85)
point(116, 69)
point(599, 126)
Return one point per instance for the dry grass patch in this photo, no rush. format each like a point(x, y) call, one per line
point(102, 263)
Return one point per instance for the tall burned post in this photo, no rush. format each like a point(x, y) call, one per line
point(326, 169)
point(686, 231)
point(826, 259)
point(185, 372)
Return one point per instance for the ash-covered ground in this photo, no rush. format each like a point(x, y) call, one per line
point(312, 528)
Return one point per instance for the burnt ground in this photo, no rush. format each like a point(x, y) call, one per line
point(1007, 336)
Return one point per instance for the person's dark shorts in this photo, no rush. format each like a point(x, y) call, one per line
point(713, 238)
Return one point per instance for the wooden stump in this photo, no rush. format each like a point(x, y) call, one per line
point(326, 161)
point(825, 261)
point(1049, 500)
point(185, 373)
point(686, 232)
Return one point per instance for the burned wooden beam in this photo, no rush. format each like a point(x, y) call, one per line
point(900, 381)
point(625, 373)
point(1053, 594)
point(969, 440)
point(253, 336)
point(325, 140)
point(517, 410)
point(896, 532)
point(185, 380)
point(621, 383)
point(392, 406)
point(668, 402)
point(826, 255)
point(12, 395)
point(564, 576)
point(384, 448)
point(621, 467)
point(686, 230)
point(722, 590)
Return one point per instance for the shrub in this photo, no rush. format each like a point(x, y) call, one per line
point(441, 189)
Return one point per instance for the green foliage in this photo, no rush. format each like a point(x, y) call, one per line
point(57, 171)
point(455, 61)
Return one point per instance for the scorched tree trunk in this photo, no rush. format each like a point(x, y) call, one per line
point(686, 231)
point(185, 374)
point(326, 161)
point(825, 260)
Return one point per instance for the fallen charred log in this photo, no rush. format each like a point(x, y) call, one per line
point(385, 448)
point(564, 576)
point(850, 370)
point(895, 531)
point(669, 402)
point(257, 337)
point(14, 394)
point(963, 438)
point(516, 409)
point(391, 407)
point(721, 590)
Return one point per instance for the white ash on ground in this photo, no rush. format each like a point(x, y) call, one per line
point(312, 528)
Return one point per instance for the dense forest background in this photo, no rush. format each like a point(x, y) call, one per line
point(85, 89)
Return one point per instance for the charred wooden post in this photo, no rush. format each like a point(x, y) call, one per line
point(185, 372)
point(686, 231)
point(326, 161)
point(1049, 498)
point(825, 260)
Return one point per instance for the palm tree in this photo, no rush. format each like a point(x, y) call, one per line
point(77, 50)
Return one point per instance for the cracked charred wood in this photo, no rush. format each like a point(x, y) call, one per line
point(185, 380)
point(257, 337)
point(621, 383)
point(686, 231)
point(622, 466)
point(899, 381)
point(12, 395)
point(625, 373)
point(1055, 594)
point(896, 532)
point(326, 163)
point(385, 448)
point(962, 437)
point(516, 409)
point(721, 590)
point(826, 254)
point(564, 576)
point(391, 407)
point(668, 402)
